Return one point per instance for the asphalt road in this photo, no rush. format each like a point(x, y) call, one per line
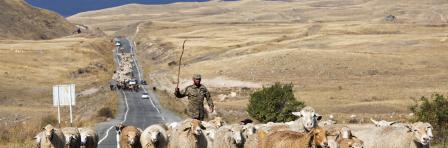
point(132, 109)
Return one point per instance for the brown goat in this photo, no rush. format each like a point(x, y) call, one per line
point(129, 136)
point(282, 139)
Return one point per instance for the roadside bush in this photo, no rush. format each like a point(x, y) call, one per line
point(274, 104)
point(435, 111)
point(105, 112)
point(49, 119)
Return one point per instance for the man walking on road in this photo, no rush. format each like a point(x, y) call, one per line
point(196, 94)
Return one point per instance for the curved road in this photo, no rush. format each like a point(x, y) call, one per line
point(132, 109)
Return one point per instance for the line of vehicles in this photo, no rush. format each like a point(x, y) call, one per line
point(123, 78)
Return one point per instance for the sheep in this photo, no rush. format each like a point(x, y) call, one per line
point(255, 140)
point(172, 125)
point(155, 136)
point(382, 123)
point(129, 136)
point(38, 138)
point(89, 138)
point(188, 135)
point(326, 123)
point(210, 134)
point(271, 127)
point(249, 129)
point(398, 136)
point(229, 136)
point(282, 139)
point(346, 139)
point(72, 137)
point(308, 119)
point(50, 137)
point(216, 122)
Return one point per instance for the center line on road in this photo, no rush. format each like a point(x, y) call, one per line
point(124, 120)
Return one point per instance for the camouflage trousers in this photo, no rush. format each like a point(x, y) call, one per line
point(196, 113)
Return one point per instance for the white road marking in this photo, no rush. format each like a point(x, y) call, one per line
point(124, 120)
point(139, 74)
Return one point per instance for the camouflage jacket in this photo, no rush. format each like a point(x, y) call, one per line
point(196, 96)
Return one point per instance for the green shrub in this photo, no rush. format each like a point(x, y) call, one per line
point(435, 111)
point(105, 112)
point(274, 104)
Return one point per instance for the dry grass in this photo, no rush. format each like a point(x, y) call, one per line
point(30, 68)
point(170, 102)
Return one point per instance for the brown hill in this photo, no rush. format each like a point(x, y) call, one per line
point(19, 20)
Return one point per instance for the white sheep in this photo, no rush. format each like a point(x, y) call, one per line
point(50, 137)
point(155, 136)
point(72, 136)
point(308, 119)
point(89, 138)
point(229, 136)
point(398, 136)
point(188, 135)
point(210, 135)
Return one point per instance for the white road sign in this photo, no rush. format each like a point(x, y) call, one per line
point(64, 94)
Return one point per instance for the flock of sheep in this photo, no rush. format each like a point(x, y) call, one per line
point(51, 137)
point(124, 73)
point(306, 131)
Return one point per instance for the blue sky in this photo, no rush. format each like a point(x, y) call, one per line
point(71, 7)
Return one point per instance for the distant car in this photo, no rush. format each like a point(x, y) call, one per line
point(145, 96)
point(132, 82)
point(143, 82)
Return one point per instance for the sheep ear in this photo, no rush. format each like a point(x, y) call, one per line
point(298, 114)
point(319, 117)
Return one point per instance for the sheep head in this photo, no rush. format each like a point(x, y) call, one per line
point(236, 134)
point(70, 139)
point(249, 129)
point(48, 132)
point(422, 132)
point(155, 135)
point(84, 139)
point(308, 117)
point(346, 139)
point(195, 127)
point(119, 127)
point(132, 135)
point(320, 137)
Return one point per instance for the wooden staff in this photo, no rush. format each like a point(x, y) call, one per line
point(180, 63)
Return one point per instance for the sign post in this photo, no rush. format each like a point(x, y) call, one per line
point(59, 109)
point(64, 95)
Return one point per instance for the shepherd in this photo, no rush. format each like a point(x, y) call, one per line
point(196, 94)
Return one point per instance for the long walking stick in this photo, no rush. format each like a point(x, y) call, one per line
point(180, 63)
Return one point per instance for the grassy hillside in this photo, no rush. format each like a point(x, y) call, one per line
point(19, 20)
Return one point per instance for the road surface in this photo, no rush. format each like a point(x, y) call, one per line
point(132, 109)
